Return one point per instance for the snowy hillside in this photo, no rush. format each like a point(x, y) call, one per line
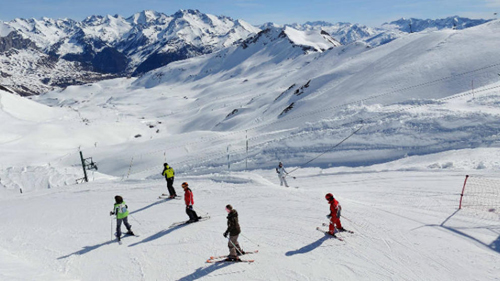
point(291, 104)
point(391, 131)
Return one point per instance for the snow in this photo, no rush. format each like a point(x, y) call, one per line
point(310, 38)
point(398, 178)
point(24, 109)
point(413, 234)
point(5, 29)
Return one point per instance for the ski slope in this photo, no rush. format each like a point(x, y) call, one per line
point(405, 222)
point(399, 178)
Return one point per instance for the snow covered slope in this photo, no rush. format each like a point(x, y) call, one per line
point(392, 131)
point(405, 228)
point(292, 104)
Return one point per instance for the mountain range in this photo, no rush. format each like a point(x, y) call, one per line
point(38, 55)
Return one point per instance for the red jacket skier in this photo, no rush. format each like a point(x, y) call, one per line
point(188, 195)
point(334, 215)
point(188, 199)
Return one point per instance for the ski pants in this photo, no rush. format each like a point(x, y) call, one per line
point(191, 213)
point(170, 186)
point(334, 222)
point(119, 226)
point(283, 180)
point(234, 246)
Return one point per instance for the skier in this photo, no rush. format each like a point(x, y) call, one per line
point(188, 199)
point(120, 209)
point(334, 215)
point(233, 230)
point(282, 174)
point(169, 174)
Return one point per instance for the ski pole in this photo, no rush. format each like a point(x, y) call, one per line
point(234, 245)
point(200, 210)
point(134, 219)
point(250, 240)
point(111, 228)
point(346, 218)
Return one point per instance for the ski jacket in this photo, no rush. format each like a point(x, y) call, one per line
point(233, 227)
point(281, 171)
point(168, 172)
point(188, 197)
point(335, 208)
point(120, 210)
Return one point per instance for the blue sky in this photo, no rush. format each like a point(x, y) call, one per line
point(369, 12)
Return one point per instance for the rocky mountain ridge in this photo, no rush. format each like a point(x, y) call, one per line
point(37, 55)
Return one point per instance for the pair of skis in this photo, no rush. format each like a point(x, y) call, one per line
point(167, 197)
point(220, 259)
point(204, 218)
point(333, 236)
point(124, 235)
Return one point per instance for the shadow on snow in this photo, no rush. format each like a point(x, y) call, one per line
point(150, 205)
point(158, 235)
point(204, 271)
point(87, 249)
point(308, 248)
point(495, 245)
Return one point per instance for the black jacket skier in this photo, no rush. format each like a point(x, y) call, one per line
point(233, 229)
point(233, 226)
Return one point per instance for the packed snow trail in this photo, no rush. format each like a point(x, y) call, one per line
point(397, 218)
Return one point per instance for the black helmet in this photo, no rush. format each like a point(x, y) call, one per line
point(118, 199)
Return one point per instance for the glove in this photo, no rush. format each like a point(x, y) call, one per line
point(111, 213)
point(328, 216)
point(338, 213)
point(225, 234)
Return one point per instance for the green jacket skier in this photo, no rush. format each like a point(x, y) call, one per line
point(120, 209)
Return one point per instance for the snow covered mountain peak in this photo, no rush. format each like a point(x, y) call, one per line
point(312, 39)
point(309, 41)
point(148, 40)
point(145, 17)
point(123, 46)
point(418, 25)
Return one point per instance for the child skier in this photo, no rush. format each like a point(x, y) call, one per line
point(121, 211)
point(169, 174)
point(188, 199)
point(233, 229)
point(334, 215)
